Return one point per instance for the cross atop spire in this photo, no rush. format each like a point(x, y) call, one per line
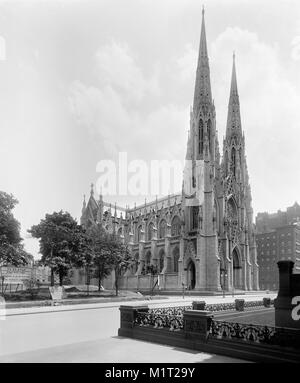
point(202, 94)
point(92, 189)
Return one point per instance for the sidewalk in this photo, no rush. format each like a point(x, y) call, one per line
point(156, 302)
point(116, 350)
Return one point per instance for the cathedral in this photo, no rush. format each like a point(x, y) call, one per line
point(202, 238)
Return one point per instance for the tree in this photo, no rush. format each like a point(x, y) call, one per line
point(97, 240)
point(11, 248)
point(118, 257)
point(61, 241)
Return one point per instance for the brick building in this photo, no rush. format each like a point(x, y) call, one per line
point(269, 221)
point(282, 243)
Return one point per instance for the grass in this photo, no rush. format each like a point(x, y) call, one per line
point(262, 317)
point(72, 292)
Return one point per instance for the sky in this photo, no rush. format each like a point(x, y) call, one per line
point(82, 81)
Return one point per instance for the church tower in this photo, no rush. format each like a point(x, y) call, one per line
point(199, 174)
point(202, 238)
point(238, 247)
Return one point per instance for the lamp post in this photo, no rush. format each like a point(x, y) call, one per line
point(224, 275)
point(2, 283)
point(153, 271)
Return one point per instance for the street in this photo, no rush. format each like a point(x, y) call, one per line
point(86, 333)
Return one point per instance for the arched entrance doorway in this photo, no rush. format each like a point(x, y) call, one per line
point(237, 270)
point(191, 275)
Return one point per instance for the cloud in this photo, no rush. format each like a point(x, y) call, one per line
point(118, 68)
point(114, 115)
point(270, 114)
point(295, 43)
point(296, 48)
point(187, 63)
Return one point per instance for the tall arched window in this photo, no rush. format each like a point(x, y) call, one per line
point(209, 134)
point(162, 229)
point(147, 262)
point(175, 226)
point(233, 159)
point(200, 136)
point(135, 263)
point(175, 259)
point(161, 261)
point(195, 213)
point(226, 162)
point(150, 231)
point(139, 235)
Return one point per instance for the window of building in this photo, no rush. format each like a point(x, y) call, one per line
point(175, 226)
point(195, 213)
point(162, 229)
point(150, 231)
point(139, 234)
point(200, 136)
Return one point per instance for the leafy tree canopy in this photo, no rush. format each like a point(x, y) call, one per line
point(11, 248)
point(61, 241)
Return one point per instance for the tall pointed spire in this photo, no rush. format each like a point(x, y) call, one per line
point(202, 94)
point(233, 117)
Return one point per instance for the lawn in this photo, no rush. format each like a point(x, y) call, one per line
point(263, 317)
point(72, 292)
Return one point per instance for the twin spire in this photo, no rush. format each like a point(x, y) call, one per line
point(234, 117)
point(202, 93)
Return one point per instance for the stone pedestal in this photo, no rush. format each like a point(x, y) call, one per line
point(199, 305)
point(128, 313)
point(240, 304)
point(197, 324)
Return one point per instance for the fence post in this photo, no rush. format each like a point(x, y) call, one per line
point(127, 317)
point(199, 305)
point(239, 304)
point(197, 324)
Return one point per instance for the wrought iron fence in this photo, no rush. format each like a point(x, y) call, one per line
point(159, 321)
point(220, 307)
point(255, 334)
point(250, 304)
point(172, 317)
point(163, 317)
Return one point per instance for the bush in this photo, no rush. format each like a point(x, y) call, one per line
point(32, 286)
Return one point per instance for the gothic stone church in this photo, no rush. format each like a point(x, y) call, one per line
point(202, 238)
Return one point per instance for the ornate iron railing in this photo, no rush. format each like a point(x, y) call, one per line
point(159, 321)
point(220, 306)
point(250, 304)
point(245, 332)
point(172, 317)
point(255, 334)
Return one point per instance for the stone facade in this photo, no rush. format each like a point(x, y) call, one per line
point(202, 238)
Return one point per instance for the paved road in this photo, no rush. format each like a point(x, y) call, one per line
point(84, 333)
